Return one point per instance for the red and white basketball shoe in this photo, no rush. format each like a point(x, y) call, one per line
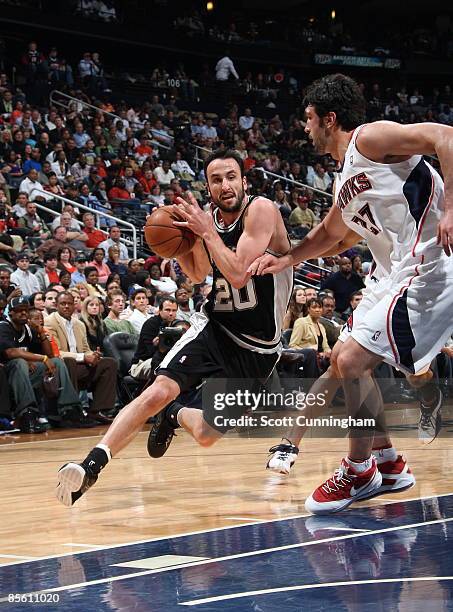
point(396, 476)
point(343, 488)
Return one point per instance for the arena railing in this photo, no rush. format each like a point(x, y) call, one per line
point(97, 213)
point(294, 182)
point(67, 105)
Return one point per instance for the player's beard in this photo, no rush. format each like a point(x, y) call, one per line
point(235, 205)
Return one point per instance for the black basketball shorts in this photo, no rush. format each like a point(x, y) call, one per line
point(206, 352)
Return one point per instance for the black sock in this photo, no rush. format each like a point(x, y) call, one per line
point(429, 393)
point(96, 460)
point(171, 413)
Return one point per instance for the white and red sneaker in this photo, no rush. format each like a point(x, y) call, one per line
point(343, 488)
point(396, 476)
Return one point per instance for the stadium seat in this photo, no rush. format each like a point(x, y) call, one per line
point(121, 346)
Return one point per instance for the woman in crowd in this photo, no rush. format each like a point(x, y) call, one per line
point(281, 200)
point(97, 261)
point(37, 301)
point(113, 261)
point(357, 266)
point(297, 308)
point(92, 278)
point(92, 319)
point(83, 290)
point(65, 279)
point(77, 300)
point(54, 186)
point(65, 260)
point(309, 333)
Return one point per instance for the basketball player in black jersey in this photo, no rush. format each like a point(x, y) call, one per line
point(237, 336)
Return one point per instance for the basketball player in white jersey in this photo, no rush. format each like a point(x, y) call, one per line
point(389, 195)
point(237, 336)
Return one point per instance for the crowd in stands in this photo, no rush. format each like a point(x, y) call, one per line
point(311, 33)
point(68, 277)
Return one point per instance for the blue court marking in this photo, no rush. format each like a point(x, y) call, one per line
point(398, 555)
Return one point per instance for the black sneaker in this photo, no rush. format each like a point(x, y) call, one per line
point(430, 422)
point(28, 423)
point(283, 457)
point(160, 436)
point(73, 481)
point(77, 418)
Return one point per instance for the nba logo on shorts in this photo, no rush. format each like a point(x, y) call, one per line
point(375, 336)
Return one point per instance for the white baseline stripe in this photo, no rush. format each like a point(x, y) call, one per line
point(237, 556)
point(304, 587)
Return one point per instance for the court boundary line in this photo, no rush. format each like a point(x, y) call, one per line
point(199, 532)
point(234, 557)
point(306, 587)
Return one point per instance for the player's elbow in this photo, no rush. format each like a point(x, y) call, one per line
point(240, 280)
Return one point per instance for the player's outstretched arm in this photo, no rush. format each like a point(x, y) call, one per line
point(349, 241)
point(322, 239)
point(381, 140)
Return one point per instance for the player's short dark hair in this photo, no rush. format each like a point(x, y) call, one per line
point(224, 154)
point(339, 94)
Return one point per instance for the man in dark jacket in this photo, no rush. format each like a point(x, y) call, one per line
point(149, 338)
point(343, 284)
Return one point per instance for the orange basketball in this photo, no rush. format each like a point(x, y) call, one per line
point(166, 239)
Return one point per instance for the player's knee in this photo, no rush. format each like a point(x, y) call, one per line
point(157, 396)
point(347, 366)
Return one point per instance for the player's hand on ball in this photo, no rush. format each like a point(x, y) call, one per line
point(195, 219)
point(268, 264)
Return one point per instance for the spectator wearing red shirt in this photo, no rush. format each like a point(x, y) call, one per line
point(143, 150)
point(95, 236)
point(119, 191)
point(148, 181)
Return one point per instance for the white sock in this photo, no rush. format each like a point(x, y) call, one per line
point(361, 466)
point(385, 454)
point(178, 415)
point(106, 450)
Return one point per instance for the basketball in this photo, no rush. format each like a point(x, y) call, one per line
point(166, 239)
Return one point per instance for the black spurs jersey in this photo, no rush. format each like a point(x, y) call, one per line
point(251, 316)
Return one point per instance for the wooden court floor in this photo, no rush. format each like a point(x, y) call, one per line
point(189, 489)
